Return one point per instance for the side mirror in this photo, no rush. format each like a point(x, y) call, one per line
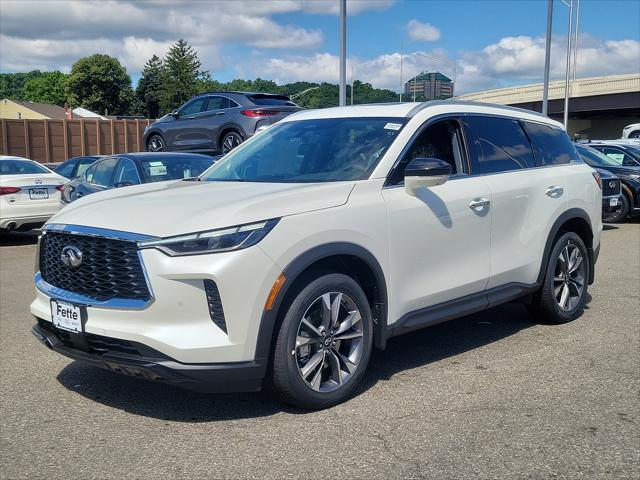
point(175, 114)
point(425, 172)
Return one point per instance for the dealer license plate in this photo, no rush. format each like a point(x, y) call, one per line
point(66, 316)
point(38, 193)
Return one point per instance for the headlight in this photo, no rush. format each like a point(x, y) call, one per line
point(635, 177)
point(213, 241)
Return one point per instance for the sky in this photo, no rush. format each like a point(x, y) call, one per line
point(484, 44)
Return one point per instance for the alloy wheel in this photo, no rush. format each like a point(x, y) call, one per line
point(569, 277)
point(156, 144)
point(329, 343)
point(230, 142)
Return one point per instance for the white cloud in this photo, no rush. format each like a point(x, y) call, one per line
point(423, 32)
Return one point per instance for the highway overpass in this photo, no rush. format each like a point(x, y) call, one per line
point(599, 107)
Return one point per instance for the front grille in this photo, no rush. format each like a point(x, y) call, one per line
point(610, 187)
point(109, 269)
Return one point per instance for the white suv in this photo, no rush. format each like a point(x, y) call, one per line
point(327, 234)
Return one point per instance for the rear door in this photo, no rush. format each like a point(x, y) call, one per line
point(525, 199)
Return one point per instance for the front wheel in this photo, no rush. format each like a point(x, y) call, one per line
point(563, 293)
point(324, 343)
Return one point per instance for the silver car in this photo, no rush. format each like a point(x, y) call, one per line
point(216, 121)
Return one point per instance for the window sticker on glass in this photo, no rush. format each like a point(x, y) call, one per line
point(186, 173)
point(156, 170)
point(393, 126)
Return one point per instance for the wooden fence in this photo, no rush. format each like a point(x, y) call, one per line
point(52, 141)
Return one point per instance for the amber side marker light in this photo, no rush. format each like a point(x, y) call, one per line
point(596, 177)
point(277, 285)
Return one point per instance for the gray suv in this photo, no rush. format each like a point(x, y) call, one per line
point(216, 121)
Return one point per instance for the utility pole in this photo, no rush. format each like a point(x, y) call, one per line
point(568, 72)
point(343, 53)
point(401, 59)
point(575, 45)
point(547, 58)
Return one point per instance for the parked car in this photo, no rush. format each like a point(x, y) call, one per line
point(631, 131)
point(329, 233)
point(76, 166)
point(217, 121)
point(623, 160)
point(129, 169)
point(613, 210)
point(29, 194)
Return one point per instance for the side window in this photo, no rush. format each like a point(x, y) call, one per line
point(103, 172)
point(85, 162)
point(441, 140)
point(215, 103)
point(551, 145)
point(502, 144)
point(126, 173)
point(193, 107)
point(66, 169)
point(618, 156)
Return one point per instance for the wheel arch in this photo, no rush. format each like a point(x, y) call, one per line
point(226, 128)
point(573, 220)
point(150, 133)
point(340, 257)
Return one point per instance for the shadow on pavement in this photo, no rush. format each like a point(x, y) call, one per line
point(403, 353)
point(17, 239)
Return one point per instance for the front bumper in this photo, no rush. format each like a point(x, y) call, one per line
point(606, 204)
point(136, 360)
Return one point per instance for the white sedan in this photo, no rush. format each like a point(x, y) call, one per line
point(29, 194)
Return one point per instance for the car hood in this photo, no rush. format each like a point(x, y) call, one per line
point(173, 208)
point(604, 174)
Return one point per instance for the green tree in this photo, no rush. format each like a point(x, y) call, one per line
point(11, 84)
point(181, 77)
point(50, 87)
point(101, 84)
point(149, 89)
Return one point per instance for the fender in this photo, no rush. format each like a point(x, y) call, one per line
point(231, 126)
point(566, 216)
point(302, 262)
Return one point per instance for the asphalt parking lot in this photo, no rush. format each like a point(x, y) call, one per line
point(492, 395)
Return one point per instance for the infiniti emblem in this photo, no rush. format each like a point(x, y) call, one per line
point(38, 182)
point(612, 184)
point(71, 256)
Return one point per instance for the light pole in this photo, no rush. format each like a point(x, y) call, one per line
point(343, 53)
point(568, 69)
point(401, 61)
point(547, 58)
point(575, 44)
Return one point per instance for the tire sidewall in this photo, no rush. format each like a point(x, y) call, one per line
point(287, 378)
point(562, 316)
point(164, 145)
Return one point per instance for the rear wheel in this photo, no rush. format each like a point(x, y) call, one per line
point(563, 293)
point(324, 343)
point(156, 144)
point(635, 134)
point(229, 141)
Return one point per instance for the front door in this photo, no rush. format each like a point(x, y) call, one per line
point(439, 240)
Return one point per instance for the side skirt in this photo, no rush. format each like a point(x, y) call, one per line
point(460, 307)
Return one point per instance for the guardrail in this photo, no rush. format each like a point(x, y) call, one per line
point(52, 141)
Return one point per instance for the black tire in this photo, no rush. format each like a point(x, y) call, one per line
point(229, 141)
point(156, 143)
point(621, 214)
point(289, 361)
point(546, 303)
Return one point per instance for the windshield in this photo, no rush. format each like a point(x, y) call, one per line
point(307, 151)
point(594, 158)
point(20, 167)
point(159, 168)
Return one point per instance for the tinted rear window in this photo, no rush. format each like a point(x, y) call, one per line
point(174, 167)
point(271, 100)
point(551, 145)
point(20, 167)
point(503, 144)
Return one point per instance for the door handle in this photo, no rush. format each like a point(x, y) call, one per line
point(479, 203)
point(554, 191)
point(220, 113)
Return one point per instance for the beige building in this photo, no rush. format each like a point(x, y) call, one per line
point(19, 109)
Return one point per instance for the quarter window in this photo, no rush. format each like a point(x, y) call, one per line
point(552, 145)
point(502, 144)
point(102, 173)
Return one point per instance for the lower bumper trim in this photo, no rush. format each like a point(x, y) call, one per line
point(201, 377)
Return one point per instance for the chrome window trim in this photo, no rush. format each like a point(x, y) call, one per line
point(114, 303)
